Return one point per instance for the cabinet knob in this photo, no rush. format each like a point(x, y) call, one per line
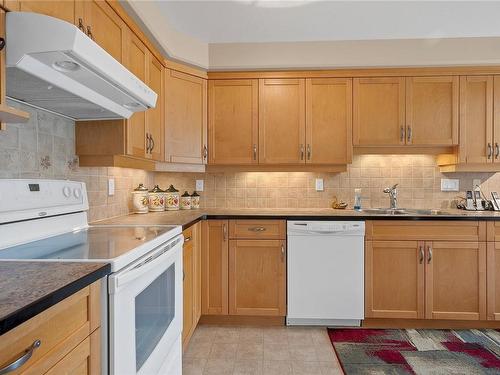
point(89, 33)
point(81, 26)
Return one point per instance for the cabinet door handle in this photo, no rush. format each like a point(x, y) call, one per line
point(254, 152)
point(187, 239)
point(421, 255)
point(429, 257)
point(282, 252)
point(402, 134)
point(2, 43)
point(152, 143)
point(205, 152)
point(308, 152)
point(89, 33)
point(497, 150)
point(409, 134)
point(17, 363)
point(224, 232)
point(301, 152)
point(148, 143)
point(257, 229)
point(81, 26)
point(490, 151)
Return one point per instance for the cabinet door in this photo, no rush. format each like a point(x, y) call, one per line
point(257, 282)
point(76, 362)
point(379, 111)
point(432, 111)
point(233, 121)
point(493, 283)
point(394, 285)
point(455, 280)
point(105, 27)
point(188, 288)
point(214, 271)
point(155, 117)
point(329, 121)
point(476, 119)
point(186, 118)
point(196, 234)
point(496, 119)
point(136, 61)
point(281, 121)
point(64, 10)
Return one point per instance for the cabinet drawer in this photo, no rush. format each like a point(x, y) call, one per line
point(425, 230)
point(251, 229)
point(59, 329)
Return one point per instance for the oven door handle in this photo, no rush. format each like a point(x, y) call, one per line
point(145, 265)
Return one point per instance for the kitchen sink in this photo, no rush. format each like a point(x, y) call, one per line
point(402, 211)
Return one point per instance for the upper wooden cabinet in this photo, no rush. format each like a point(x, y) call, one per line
point(476, 119)
point(233, 121)
point(186, 118)
point(64, 10)
point(155, 117)
point(379, 111)
point(432, 111)
point(282, 121)
point(102, 24)
point(329, 121)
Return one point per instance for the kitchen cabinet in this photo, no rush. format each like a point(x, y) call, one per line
point(64, 10)
point(379, 111)
point(257, 284)
point(282, 121)
point(455, 280)
point(476, 119)
point(233, 121)
point(215, 267)
point(155, 117)
point(191, 281)
point(186, 118)
point(493, 282)
point(432, 111)
point(69, 333)
point(329, 121)
point(394, 278)
point(101, 23)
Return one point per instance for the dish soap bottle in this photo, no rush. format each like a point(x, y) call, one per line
point(357, 199)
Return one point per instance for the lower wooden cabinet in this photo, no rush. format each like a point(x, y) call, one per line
point(257, 282)
point(442, 280)
point(191, 281)
point(394, 279)
point(493, 283)
point(69, 335)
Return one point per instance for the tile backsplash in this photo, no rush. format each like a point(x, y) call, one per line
point(45, 148)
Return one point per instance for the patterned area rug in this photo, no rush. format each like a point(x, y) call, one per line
point(417, 351)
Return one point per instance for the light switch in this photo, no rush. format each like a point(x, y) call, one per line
point(199, 185)
point(319, 184)
point(450, 184)
point(111, 186)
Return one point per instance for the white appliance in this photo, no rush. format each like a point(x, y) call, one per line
point(53, 65)
point(325, 272)
point(46, 220)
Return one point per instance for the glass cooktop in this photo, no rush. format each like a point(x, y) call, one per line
point(92, 243)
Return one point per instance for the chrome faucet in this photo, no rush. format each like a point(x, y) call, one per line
point(393, 195)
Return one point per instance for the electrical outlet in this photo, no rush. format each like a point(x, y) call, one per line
point(319, 184)
point(199, 185)
point(111, 186)
point(476, 182)
point(450, 184)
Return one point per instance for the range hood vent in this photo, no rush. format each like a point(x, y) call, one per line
point(53, 65)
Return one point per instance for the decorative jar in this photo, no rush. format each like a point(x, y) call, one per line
point(156, 199)
point(195, 200)
point(172, 198)
point(185, 201)
point(140, 200)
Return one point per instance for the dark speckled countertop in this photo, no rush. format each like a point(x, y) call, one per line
point(28, 288)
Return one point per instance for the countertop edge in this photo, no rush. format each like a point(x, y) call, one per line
point(27, 312)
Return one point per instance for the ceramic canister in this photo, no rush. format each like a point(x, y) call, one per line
point(156, 199)
point(195, 200)
point(185, 201)
point(140, 200)
point(172, 198)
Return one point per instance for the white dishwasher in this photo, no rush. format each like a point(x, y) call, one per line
point(325, 273)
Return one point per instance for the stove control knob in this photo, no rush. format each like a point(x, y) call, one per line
point(66, 191)
point(77, 192)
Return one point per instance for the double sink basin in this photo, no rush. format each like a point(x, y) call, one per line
point(403, 211)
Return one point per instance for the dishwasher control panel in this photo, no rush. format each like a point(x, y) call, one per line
point(326, 227)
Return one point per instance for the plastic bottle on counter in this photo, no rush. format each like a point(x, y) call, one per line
point(357, 199)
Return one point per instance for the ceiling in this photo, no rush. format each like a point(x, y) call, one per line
point(245, 21)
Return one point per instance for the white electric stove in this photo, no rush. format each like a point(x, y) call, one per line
point(46, 220)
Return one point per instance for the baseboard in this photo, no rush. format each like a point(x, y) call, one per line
point(428, 323)
point(242, 320)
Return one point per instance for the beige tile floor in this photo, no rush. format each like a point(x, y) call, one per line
point(260, 351)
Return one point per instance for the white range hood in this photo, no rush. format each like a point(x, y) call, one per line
point(53, 65)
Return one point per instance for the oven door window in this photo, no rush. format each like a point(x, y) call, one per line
point(154, 312)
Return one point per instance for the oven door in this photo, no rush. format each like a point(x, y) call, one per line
point(146, 311)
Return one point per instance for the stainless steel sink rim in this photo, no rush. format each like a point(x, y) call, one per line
point(402, 211)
